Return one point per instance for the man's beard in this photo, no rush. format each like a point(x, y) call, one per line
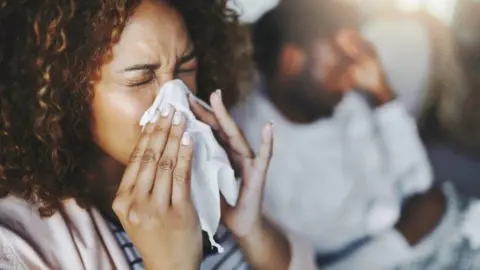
point(311, 97)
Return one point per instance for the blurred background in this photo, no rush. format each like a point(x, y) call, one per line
point(445, 10)
point(429, 51)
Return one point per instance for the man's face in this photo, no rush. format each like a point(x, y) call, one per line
point(318, 86)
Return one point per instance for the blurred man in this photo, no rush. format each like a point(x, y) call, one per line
point(349, 174)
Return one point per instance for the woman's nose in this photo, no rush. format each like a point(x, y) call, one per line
point(162, 79)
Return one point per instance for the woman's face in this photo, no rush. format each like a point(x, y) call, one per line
point(153, 48)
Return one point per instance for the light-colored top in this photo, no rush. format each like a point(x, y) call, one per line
point(453, 244)
point(340, 179)
point(75, 238)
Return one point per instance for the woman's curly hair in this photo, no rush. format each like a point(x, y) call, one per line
point(50, 56)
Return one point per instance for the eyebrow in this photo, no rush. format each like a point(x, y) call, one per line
point(142, 67)
point(187, 57)
point(184, 59)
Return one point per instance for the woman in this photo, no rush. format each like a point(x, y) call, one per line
point(76, 78)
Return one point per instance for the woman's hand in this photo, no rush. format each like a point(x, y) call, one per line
point(263, 245)
point(153, 201)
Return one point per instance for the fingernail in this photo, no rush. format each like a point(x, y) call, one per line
point(218, 94)
point(155, 116)
point(166, 110)
point(269, 128)
point(186, 138)
point(177, 118)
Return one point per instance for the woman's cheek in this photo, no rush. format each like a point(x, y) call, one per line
point(128, 109)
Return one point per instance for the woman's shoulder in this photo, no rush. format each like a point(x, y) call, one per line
point(44, 241)
point(20, 228)
point(22, 218)
point(17, 213)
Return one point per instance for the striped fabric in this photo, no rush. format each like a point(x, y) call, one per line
point(230, 259)
point(130, 252)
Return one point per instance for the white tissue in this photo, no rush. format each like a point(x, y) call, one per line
point(211, 169)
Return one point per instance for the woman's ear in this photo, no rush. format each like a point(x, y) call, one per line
point(291, 62)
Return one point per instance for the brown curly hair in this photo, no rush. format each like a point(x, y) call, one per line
point(50, 57)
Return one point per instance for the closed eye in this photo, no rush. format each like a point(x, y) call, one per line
point(187, 63)
point(139, 77)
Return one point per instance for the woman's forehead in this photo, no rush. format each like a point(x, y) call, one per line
point(153, 20)
point(155, 30)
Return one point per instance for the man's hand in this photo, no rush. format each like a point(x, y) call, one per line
point(421, 214)
point(358, 67)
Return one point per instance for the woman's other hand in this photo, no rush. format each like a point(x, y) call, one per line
point(264, 246)
point(153, 201)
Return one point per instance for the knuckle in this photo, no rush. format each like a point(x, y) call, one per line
point(166, 164)
point(148, 156)
point(176, 133)
point(183, 217)
point(134, 215)
point(136, 155)
point(157, 211)
point(120, 206)
point(139, 209)
point(142, 213)
point(179, 177)
point(159, 130)
point(184, 159)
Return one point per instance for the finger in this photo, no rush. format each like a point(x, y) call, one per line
point(203, 114)
point(208, 117)
point(130, 175)
point(153, 152)
point(354, 45)
point(265, 151)
point(162, 189)
point(252, 188)
point(369, 48)
point(236, 140)
point(181, 174)
point(225, 208)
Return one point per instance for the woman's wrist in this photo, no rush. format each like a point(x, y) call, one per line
point(169, 267)
point(265, 247)
point(164, 264)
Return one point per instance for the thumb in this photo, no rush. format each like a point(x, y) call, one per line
point(225, 208)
